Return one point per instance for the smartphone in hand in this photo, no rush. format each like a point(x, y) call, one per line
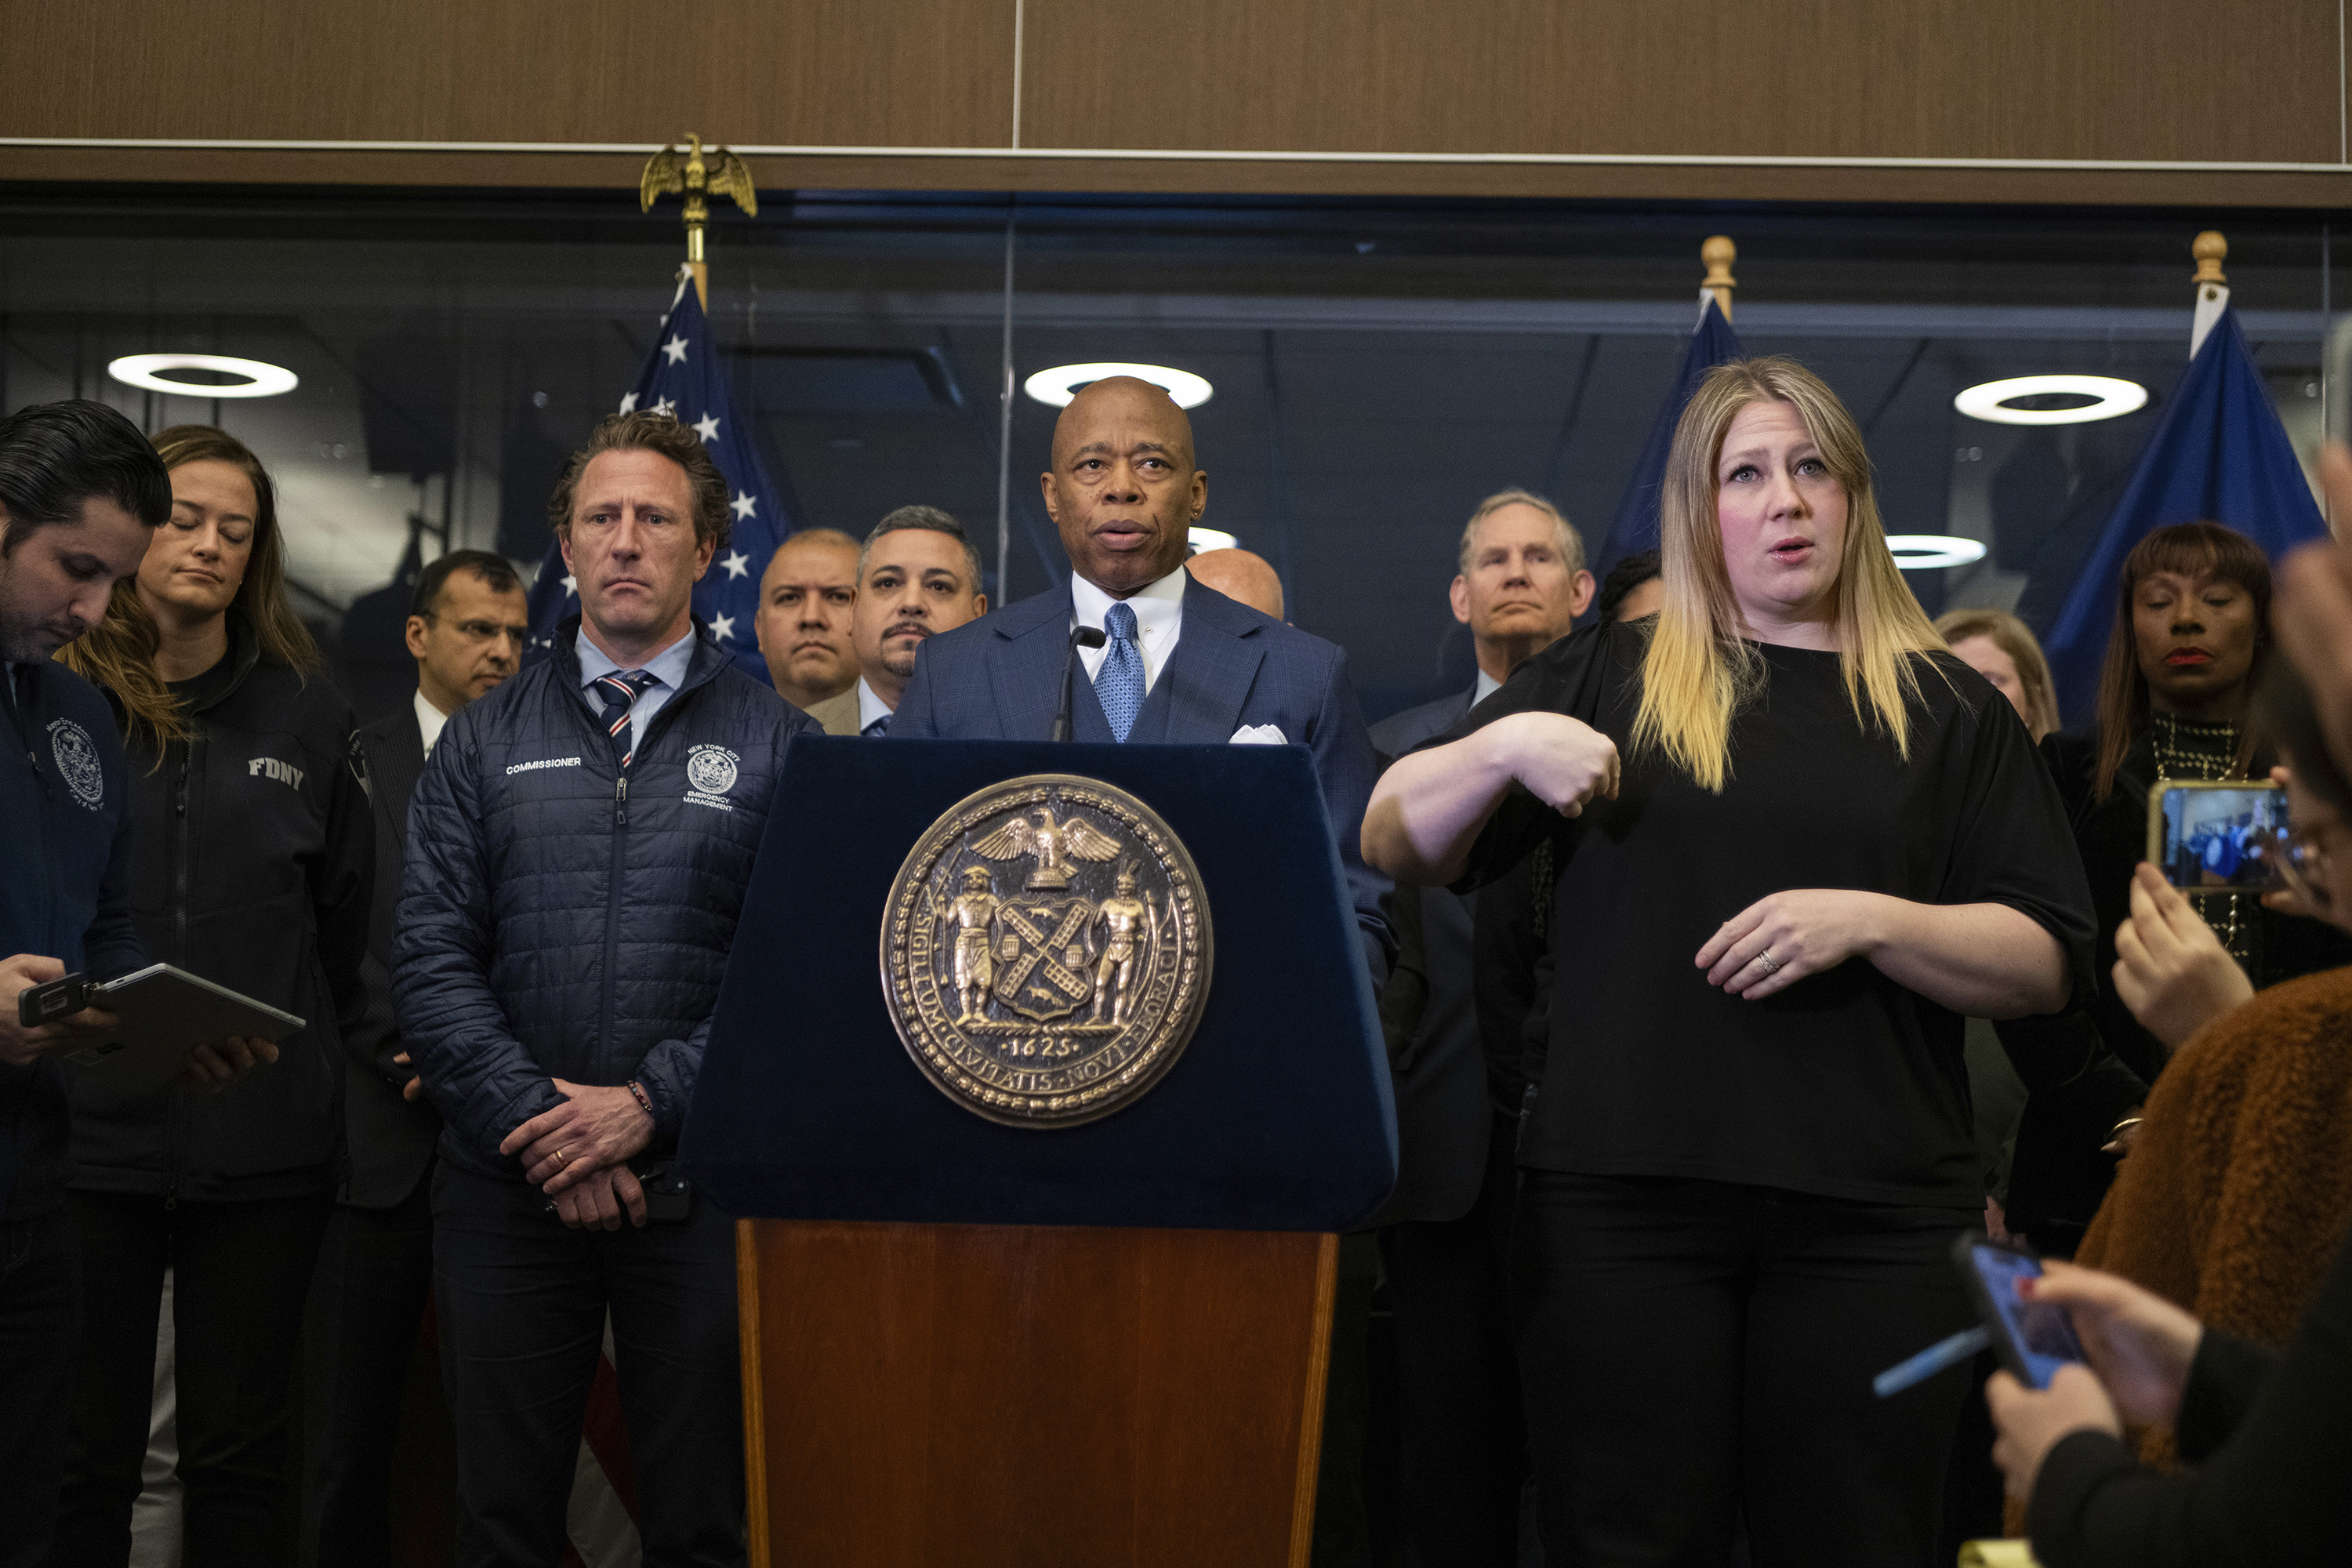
point(2218, 835)
point(2032, 1339)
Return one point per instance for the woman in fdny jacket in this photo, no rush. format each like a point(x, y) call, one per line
point(253, 851)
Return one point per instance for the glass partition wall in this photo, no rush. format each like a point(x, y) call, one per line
point(1374, 368)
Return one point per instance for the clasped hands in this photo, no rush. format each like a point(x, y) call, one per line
point(2139, 1348)
point(210, 1068)
point(575, 1153)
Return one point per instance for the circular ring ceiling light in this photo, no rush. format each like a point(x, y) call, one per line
point(258, 379)
point(1203, 540)
point(1923, 552)
point(1058, 386)
point(2100, 397)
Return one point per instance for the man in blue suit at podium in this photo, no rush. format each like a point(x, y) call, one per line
point(1177, 662)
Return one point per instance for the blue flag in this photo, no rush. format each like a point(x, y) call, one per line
point(1635, 527)
point(682, 378)
point(2218, 455)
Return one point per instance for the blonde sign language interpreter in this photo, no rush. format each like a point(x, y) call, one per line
point(1783, 774)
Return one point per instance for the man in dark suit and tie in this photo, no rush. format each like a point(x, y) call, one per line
point(465, 627)
point(1522, 583)
point(1179, 664)
point(917, 575)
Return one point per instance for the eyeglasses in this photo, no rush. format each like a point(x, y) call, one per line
point(2304, 867)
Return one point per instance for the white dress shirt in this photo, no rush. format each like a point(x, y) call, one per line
point(1487, 686)
point(667, 667)
point(870, 706)
point(429, 720)
point(1159, 620)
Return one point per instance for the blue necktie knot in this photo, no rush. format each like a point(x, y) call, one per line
point(1119, 682)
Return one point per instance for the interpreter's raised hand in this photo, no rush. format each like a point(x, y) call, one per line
point(599, 1198)
point(593, 1128)
point(21, 1046)
point(1779, 939)
point(1563, 762)
point(414, 1088)
point(216, 1065)
point(2030, 1421)
point(2312, 613)
point(2170, 969)
point(2139, 1344)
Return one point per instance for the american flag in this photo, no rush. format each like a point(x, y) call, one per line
point(682, 378)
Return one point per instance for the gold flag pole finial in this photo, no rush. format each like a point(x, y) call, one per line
point(698, 175)
point(1719, 253)
point(2210, 249)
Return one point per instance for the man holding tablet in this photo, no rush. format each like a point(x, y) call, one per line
point(81, 493)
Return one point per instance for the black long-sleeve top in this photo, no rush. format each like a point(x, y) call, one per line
point(2271, 1436)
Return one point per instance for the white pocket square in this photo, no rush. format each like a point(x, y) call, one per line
point(1258, 735)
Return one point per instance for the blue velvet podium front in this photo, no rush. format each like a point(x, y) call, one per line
point(1277, 1117)
point(990, 1344)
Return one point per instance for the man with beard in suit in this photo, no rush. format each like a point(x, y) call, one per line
point(917, 575)
point(1521, 584)
point(466, 629)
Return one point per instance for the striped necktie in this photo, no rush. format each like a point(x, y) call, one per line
point(620, 691)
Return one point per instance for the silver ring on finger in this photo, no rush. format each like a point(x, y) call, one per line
point(1772, 965)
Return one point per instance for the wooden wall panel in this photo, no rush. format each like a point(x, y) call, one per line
point(2252, 80)
point(909, 72)
point(2116, 81)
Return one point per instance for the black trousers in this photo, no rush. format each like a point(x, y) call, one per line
point(40, 1331)
point(1458, 1413)
point(522, 1302)
point(376, 1273)
point(1694, 1350)
point(240, 1272)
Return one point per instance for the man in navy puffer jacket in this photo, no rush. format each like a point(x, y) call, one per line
point(579, 849)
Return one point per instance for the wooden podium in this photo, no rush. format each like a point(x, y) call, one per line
point(1004, 1396)
point(977, 1344)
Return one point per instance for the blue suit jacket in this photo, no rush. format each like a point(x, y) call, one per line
point(998, 679)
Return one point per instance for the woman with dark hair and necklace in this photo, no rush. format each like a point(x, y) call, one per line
point(2191, 638)
point(253, 853)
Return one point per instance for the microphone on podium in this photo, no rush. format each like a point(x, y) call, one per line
point(1083, 636)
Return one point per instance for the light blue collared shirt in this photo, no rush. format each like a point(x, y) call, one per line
point(1486, 687)
point(667, 667)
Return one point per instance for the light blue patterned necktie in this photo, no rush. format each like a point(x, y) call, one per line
point(1119, 682)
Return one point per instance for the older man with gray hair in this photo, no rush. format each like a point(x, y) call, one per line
point(1523, 582)
point(917, 575)
point(1521, 586)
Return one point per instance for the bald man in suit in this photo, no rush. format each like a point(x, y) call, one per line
point(1182, 664)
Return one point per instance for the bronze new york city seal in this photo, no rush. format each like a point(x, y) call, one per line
point(1045, 950)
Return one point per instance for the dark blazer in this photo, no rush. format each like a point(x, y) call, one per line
point(999, 679)
point(1427, 1014)
point(391, 1138)
point(252, 863)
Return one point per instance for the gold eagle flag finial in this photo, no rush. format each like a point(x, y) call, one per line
point(698, 175)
